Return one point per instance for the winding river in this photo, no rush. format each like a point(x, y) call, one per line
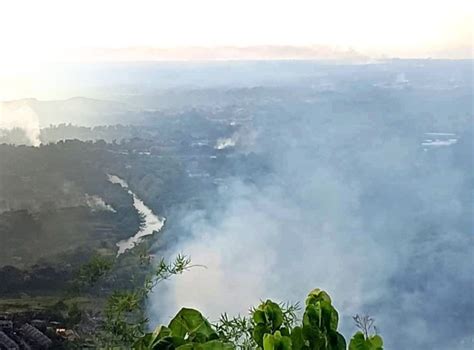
point(151, 221)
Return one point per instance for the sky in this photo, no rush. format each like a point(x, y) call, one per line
point(49, 30)
point(35, 35)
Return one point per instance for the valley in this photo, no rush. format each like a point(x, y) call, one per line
point(361, 171)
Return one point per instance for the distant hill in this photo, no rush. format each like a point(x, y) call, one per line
point(256, 52)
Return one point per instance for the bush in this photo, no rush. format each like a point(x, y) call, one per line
point(271, 327)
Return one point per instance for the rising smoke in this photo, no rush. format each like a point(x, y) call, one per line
point(96, 203)
point(357, 208)
point(20, 117)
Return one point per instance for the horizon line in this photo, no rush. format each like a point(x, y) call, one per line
point(223, 53)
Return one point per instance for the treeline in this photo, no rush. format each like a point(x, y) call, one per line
point(38, 279)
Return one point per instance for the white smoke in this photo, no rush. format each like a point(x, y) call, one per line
point(251, 252)
point(244, 138)
point(225, 142)
point(382, 234)
point(21, 117)
point(96, 203)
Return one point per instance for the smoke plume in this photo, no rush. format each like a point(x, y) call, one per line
point(97, 203)
point(354, 208)
point(13, 116)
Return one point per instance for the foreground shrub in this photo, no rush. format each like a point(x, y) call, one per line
point(271, 327)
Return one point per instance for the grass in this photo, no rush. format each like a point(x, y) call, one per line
point(27, 303)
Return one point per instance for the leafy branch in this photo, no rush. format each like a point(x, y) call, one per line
point(125, 319)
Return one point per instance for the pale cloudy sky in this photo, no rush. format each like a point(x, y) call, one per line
point(43, 30)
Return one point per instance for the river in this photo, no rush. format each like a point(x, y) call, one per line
point(151, 221)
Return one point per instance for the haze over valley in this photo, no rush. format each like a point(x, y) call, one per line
point(277, 176)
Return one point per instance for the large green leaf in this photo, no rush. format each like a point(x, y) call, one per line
point(269, 342)
point(169, 343)
point(285, 331)
point(190, 323)
point(317, 295)
point(274, 314)
point(269, 313)
point(210, 345)
point(315, 338)
point(268, 318)
point(297, 338)
point(285, 343)
point(336, 341)
point(259, 317)
point(359, 342)
point(150, 340)
point(144, 343)
point(276, 342)
point(376, 342)
point(312, 317)
point(258, 333)
point(329, 315)
point(216, 345)
point(187, 346)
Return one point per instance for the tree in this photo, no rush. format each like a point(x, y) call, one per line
point(93, 271)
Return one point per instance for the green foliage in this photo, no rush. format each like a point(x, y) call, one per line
point(363, 340)
point(320, 323)
point(125, 319)
point(240, 330)
point(360, 342)
point(318, 330)
point(188, 330)
point(94, 270)
point(74, 315)
point(276, 341)
point(270, 327)
point(267, 319)
point(165, 271)
point(190, 324)
point(236, 330)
